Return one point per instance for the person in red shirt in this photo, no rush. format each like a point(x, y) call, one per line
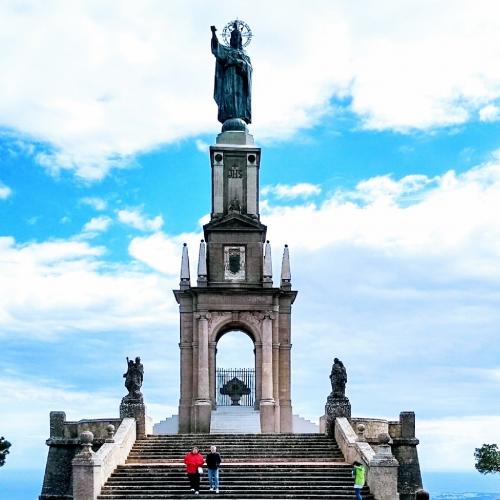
point(193, 460)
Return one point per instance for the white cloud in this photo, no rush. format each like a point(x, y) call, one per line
point(26, 419)
point(448, 444)
point(135, 219)
point(163, 253)
point(97, 224)
point(489, 113)
point(96, 203)
point(452, 216)
point(100, 86)
point(397, 277)
point(5, 191)
point(85, 293)
point(202, 146)
point(300, 190)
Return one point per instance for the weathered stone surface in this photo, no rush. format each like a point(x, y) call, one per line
point(134, 408)
point(336, 407)
point(64, 444)
point(404, 448)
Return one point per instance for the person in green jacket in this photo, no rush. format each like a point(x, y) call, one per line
point(358, 472)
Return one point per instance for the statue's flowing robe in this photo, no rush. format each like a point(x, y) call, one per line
point(233, 83)
point(338, 377)
point(133, 379)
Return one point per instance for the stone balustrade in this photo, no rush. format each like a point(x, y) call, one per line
point(92, 469)
point(381, 466)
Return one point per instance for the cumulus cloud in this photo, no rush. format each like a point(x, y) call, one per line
point(398, 277)
point(162, 252)
point(135, 219)
point(86, 294)
point(452, 216)
point(95, 202)
point(5, 191)
point(100, 86)
point(489, 113)
point(300, 190)
point(97, 224)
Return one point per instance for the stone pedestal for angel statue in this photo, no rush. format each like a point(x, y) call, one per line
point(337, 404)
point(132, 405)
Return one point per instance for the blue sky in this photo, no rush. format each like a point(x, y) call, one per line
point(380, 130)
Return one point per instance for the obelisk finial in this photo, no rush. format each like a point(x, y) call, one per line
point(185, 274)
point(286, 276)
point(268, 266)
point(202, 264)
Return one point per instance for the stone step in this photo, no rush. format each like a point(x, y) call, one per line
point(301, 494)
point(255, 466)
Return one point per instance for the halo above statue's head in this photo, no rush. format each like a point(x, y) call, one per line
point(245, 33)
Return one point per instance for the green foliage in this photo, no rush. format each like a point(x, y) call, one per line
point(4, 450)
point(487, 459)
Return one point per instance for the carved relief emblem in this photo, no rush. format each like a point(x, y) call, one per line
point(234, 263)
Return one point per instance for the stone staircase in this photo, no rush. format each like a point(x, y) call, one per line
point(235, 420)
point(255, 466)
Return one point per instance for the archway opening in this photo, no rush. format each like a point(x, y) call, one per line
point(235, 369)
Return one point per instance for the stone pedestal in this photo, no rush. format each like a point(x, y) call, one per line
point(383, 471)
point(134, 408)
point(86, 472)
point(267, 417)
point(202, 412)
point(336, 406)
point(404, 448)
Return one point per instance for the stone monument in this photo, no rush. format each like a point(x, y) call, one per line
point(132, 404)
point(337, 404)
point(234, 289)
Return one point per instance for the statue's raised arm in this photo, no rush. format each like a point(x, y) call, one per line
point(233, 76)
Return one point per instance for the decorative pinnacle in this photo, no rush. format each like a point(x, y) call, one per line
point(268, 264)
point(185, 274)
point(202, 264)
point(286, 277)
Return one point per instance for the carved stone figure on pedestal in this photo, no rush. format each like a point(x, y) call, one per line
point(134, 378)
point(338, 378)
point(337, 404)
point(233, 77)
point(132, 405)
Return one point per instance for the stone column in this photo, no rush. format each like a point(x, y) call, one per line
point(202, 405)
point(286, 417)
point(276, 370)
point(212, 369)
point(267, 401)
point(258, 373)
point(186, 363)
point(186, 398)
